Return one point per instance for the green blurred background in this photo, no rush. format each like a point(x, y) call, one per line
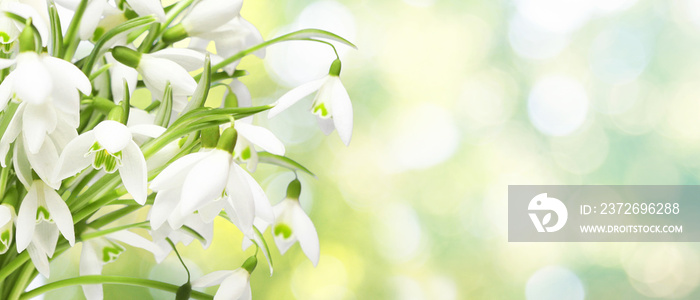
point(454, 100)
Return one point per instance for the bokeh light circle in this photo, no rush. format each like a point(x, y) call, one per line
point(558, 105)
point(554, 283)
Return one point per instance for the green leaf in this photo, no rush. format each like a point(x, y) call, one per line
point(202, 90)
point(126, 103)
point(283, 161)
point(301, 35)
point(166, 108)
point(56, 31)
point(264, 247)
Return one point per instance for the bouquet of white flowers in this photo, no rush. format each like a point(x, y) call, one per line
point(77, 156)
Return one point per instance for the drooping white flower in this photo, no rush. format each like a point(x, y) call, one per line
point(45, 131)
point(42, 215)
point(157, 72)
point(100, 251)
point(97, 9)
point(293, 225)
point(331, 105)
point(41, 78)
point(36, 10)
point(233, 285)
point(109, 146)
point(234, 36)
point(7, 217)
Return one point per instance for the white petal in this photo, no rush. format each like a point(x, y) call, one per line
point(6, 63)
point(206, 181)
point(296, 94)
point(45, 237)
point(118, 74)
point(6, 90)
point(152, 131)
point(163, 206)
point(233, 286)
point(134, 173)
point(22, 167)
point(32, 81)
point(11, 133)
point(37, 122)
point(65, 130)
point(73, 159)
point(263, 209)
point(71, 75)
point(189, 59)
point(283, 214)
point(112, 135)
point(136, 240)
point(148, 7)
point(175, 173)
point(261, 136)
point(211, 279)
point(90, 264)
point(41, 262)
point(91, 17)
point(241, 199)
point(157, 72)
point(60, 214)
point(208, 15)
point(210, 211)
point(247, 293)
point(342, 111)
point(306, 234)
point(26, 219)
point(326, 125)
point(44, 161)
point(38, 15)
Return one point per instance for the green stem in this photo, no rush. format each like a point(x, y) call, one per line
point(104, 279)
point(14, 265)
point(71, 41)
point(22, 281)
point(94, 234)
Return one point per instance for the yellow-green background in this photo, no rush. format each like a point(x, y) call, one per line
point(415, 207)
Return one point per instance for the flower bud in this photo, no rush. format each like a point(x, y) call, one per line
point(127, 56)
point(228, 140)
point(174, 34)
point(294, 189)
point(184, 292)
point(335, 68)
point(26, 38)
point(250, 264)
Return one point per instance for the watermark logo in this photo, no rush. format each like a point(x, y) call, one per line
point(543, 203)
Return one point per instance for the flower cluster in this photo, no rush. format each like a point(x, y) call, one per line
point(77, 156)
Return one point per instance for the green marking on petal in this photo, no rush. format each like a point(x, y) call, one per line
point(5, 37)
point(245, 154)
point(5, 237)
point(112, 252)
point(321, 110)
point(103, 159)
point(283, 229)
point(42, 214)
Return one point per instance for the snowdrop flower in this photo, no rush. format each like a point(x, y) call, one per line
point(332, 104)
point(233, 285)
point(36, 10)
point(98, 252)
point(45, 133)
point(109, 146)
point(180, 235)
point(292, 225)
point(96, 9)
point(41, 78)
point(157, 72)
point(205, 17)
point(7, 217)
point(41, 216)
point(193, 181)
